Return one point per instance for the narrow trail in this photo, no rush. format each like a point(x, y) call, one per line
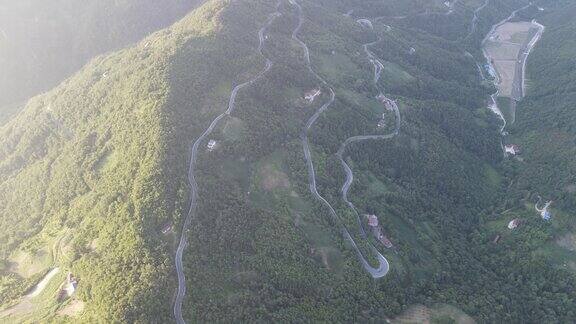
point(43, 283)
point(378, 66)
point(383, 266)
point(26, 304)
point(474, 23)
point(181, 292)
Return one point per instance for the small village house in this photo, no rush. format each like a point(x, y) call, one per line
point(513, 223)
point(211, 145)
point(312, 94)
point(372, 220)
point(546, 215)
point(377, 231)
point(512, 149)
point(167, 228)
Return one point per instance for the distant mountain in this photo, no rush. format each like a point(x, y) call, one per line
point(42, 43)
point(255, 139)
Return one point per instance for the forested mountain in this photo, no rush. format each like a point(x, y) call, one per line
point(44, 42)
point(136, 158)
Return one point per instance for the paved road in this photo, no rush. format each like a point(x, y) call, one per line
point(519, 87)
point(378, 66)
point(383, 266)
point(546, 205)
point(181, 292)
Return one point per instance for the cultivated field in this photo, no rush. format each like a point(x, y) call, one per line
point(441, 313)
point(504, 48)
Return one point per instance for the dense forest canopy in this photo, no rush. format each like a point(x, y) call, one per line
point(95, 174)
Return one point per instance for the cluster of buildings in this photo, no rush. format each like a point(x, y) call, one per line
point(377, 231)
point(513, 224)
point(389, 104)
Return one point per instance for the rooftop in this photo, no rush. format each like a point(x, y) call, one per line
point(372, 220)
point(514, 223)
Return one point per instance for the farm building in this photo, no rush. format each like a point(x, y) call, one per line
point(512, 149)
point(514, 223)
point(372, 220)
point(384, 240)
point(312, 94)
point(211, 145)
point(167, 228)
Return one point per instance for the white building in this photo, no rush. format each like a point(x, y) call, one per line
point(312, 94)
point(513, 223)
point(211, 145)
point(512, 149)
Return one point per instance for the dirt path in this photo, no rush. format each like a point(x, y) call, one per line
point(26, 305)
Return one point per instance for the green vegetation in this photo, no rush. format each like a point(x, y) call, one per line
point(91, 172)
point(93, 157)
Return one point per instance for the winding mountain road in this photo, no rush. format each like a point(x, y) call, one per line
point(378, 66)
point(523, 57)
point(383, 265)
point(181, 292)
point(474, 23)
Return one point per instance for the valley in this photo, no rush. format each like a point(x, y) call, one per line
point(297, 161)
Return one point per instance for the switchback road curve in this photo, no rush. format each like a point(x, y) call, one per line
point(383, 266)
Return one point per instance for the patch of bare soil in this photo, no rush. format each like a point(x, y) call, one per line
point(567, 241)
point(417, 314)
point(322, 252)
point(74, 308)
point(273, 179)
